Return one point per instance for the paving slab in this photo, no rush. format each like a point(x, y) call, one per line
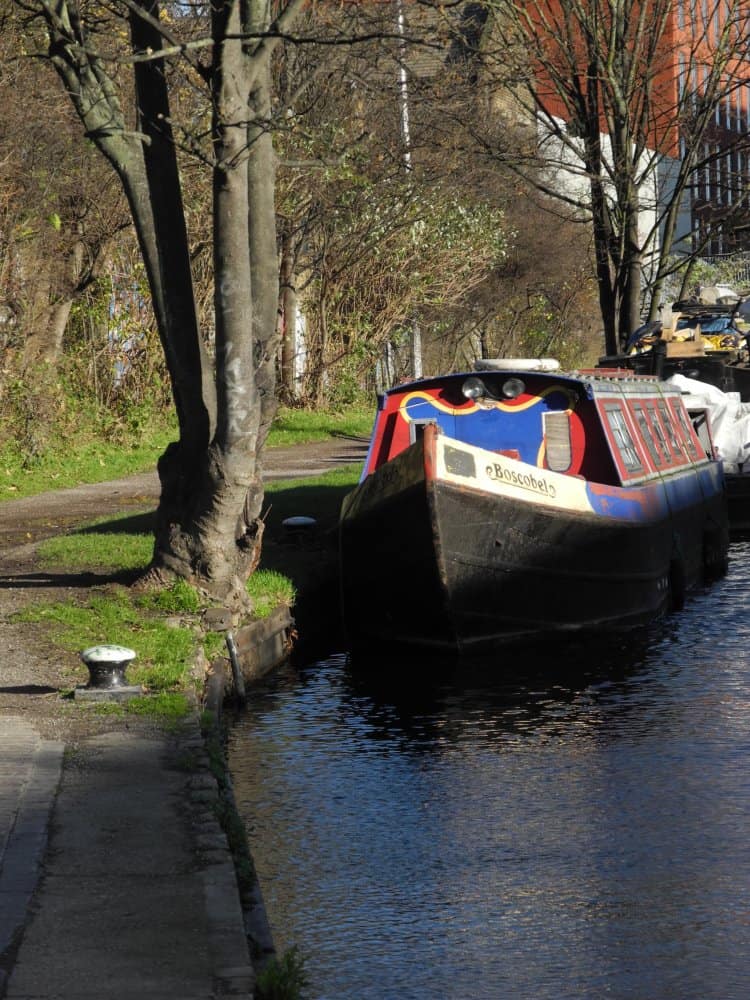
point(127, 904)
point(30, 769)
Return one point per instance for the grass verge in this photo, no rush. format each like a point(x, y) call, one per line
point(304, 426)
point(163, 627)
point(165, 650)
point(90, 459)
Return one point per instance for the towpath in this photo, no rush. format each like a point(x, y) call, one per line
point(116, 881)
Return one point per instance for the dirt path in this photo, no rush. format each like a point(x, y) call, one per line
point(33, 518)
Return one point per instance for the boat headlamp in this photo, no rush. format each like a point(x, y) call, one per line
point(474, 388)
point(512, 388)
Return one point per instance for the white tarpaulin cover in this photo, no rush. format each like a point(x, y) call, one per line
point(730, 418)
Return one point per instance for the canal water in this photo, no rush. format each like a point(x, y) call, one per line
point(569, 822)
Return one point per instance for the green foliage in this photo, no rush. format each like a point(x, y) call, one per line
point(399, 252)
point(108, 708)
point(283, 978)
point(319, 497)
point(268, 589)
point(108, 393)
point(731, 271)
point(73, 444)
point(214, 645)
point(179, 597)
point(543, 331)
point(55, 457)
point(346, 388)
point(33, 413)
point(112, 350)
point(104, 544)
point(167, 706)
point(383, 247)
point(346, 476)
point(303, 426)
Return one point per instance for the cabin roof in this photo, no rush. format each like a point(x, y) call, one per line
point(595, 381)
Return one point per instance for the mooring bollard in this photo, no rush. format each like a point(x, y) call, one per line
point(106, 666)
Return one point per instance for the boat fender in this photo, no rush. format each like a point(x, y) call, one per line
point(677, 583)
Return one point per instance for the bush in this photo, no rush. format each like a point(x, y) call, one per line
point(283, 979)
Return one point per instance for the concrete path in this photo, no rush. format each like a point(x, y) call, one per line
point(116, 880)
point(30, 770)
point(138, 898)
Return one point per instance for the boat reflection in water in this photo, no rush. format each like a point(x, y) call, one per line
point(527, 833)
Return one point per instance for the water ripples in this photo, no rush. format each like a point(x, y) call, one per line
point(566, 822)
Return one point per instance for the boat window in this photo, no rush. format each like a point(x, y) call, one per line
point(657, 457)
point(622, 438)
point(700, 423)
point(416, 429)
point(687, 431)
point(666, 422)
point(558, 445)
point(659, 434)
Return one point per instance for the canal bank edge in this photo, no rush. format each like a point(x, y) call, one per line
point(254, 650)
point(218, 686)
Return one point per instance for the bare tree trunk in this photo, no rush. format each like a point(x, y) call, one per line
point(50, 317)
point(605, 286)
point(208, 525)
point(168, 258)
point(288, 316)
point(264, 260)
point(630, 307)
point(219, 543)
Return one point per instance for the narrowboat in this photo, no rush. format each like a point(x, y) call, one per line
point(704, 347)
point(517, 501)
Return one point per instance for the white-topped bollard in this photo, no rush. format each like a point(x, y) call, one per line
point(106, 666)
point(300, 529)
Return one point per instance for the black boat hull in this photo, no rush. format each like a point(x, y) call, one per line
point(438, 565)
